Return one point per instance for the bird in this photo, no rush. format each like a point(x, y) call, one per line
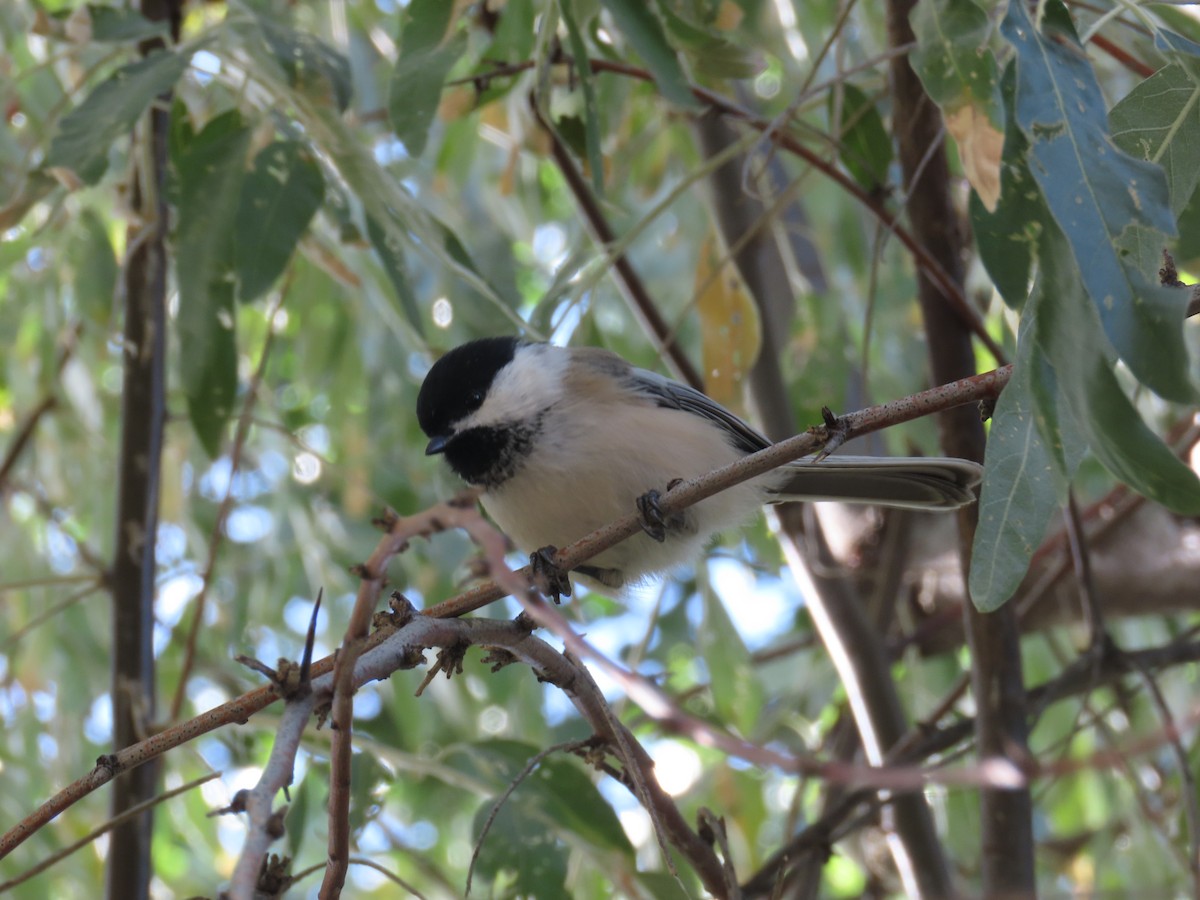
point(563, 440)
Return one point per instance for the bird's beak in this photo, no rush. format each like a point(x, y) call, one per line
point(437, 445)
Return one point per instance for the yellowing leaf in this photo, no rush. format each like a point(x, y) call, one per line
point(979, 147)
point(730, 330)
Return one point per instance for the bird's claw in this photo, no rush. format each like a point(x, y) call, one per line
point(652, 521)
point(548, 576)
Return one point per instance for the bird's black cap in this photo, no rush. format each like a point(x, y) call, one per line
point(458, 383)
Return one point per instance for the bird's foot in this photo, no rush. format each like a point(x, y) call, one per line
point(649, 507)
point(548, 576)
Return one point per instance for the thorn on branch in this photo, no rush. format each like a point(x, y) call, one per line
point(835, 433)
point(309, 640)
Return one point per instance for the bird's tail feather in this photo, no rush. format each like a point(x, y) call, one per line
point(912, 481)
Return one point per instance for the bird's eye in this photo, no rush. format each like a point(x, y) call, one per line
point(476, 398)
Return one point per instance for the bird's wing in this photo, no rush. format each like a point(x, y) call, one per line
point(673, 395)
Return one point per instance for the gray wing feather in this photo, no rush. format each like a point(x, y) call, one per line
point(673, 395)
point(913, 481)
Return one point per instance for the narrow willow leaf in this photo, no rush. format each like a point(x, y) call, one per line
point(280, 196)
point(587, 83)
point(404, 219)
point(391, 254)
point(641, 27)
point(709, 49)
point(738, 694)
point(210, 166)
point(311, 65)
point(730, 328)
point(864, 146)
point(79, 152)
point(1095, 192)
point(109, 24)
point(1159, 121)
point(427, 54)
point(959, 72)
point(1007, 236)
point(96, 268)
point(1025, 476)
point(1067, 328)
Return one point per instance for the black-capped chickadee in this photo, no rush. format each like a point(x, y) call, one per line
point(564, 440)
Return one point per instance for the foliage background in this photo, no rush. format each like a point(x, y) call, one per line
point(333, 228)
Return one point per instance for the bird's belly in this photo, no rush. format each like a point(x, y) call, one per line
point(558, 507)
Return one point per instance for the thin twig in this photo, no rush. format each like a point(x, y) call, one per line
point(631, 283)
point(59, 855)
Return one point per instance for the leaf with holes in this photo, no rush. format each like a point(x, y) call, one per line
point(1095, 193)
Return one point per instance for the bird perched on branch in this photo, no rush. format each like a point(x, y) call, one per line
point(564, 440)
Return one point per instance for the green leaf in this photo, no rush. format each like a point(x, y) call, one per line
point(95, 268)
point(111, 24)
point(587, 84)
point(427, 54)
point(1024, 480)
point(1182, 50)
point(520, 848)
point(1007, 238)
point(642, 29)
point(87, 133)
point(210, 167)
point(303, 807)
point(737, 693)
point(280, 196)
point(1095, 192)
point(1067, 328)
point(391, 254)
point(865, 147)
point(708, 49)
point(1159, 121)
point(311, 65)
point(558, 794)
point(952, 59)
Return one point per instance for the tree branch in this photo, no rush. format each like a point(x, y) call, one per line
point(1007, 815)
point(143, 415)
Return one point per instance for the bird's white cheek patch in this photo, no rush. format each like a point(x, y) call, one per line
point(523, 389)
